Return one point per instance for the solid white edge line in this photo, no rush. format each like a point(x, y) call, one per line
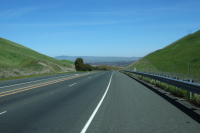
point(96, 109)
point(3, 112)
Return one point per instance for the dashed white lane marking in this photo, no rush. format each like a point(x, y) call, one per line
point(72, 84)
point(3, 112)
point(96, 109)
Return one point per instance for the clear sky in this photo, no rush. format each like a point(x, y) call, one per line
point(97, 27)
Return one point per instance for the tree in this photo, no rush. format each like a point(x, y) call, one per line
point(87, 67)
point(80, 66)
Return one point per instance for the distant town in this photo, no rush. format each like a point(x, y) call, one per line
point(114, 64)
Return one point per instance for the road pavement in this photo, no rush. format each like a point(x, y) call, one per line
point(99, 102)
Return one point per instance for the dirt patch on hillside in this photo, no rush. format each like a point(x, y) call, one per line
point(44, 69)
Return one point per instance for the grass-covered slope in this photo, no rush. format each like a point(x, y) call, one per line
point(17, 60)
point(176, 57)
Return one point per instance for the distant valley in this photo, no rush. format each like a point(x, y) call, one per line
point(102, 60)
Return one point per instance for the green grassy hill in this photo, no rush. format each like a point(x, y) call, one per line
point(17, 60)
point(174, 58)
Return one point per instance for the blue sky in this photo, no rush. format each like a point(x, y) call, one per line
point(97, 27)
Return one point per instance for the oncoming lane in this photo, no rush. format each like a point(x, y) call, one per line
point(52, 108)
point(16, 88)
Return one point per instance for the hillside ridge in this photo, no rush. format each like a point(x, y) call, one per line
point(18, 60)
point(181, 57)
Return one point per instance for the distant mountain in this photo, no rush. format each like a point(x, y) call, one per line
point(97, 59)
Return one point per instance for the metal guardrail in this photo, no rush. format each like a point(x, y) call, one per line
point(192, 87)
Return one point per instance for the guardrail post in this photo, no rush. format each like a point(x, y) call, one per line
point(167, 85)
point(191, 95)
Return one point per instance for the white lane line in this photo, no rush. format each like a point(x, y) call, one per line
point(72, 84)
point(96, 109)
point(31, 82)
point(21, 83)
point(3, 112)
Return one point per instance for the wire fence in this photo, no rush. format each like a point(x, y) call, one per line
point(179, 76)
point(147, 67)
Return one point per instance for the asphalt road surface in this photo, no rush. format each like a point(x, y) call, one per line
point(96, 102)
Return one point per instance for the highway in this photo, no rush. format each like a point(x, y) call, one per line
point(95, 102)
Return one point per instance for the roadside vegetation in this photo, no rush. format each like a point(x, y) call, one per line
point(178, 92)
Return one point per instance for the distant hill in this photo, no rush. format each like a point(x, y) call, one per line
point(18, 60)
point(178, 57)
point(97, 59)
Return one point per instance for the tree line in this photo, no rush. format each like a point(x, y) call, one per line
point(81, 66)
